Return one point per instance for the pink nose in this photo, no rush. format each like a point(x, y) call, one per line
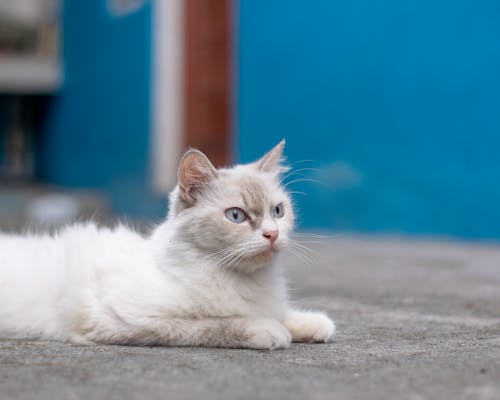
point(271, 235)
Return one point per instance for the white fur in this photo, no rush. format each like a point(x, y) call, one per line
point(176, 286)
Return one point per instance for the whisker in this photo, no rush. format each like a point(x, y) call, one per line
point(304, 180)
point(297, 192)
point(305, 249)
point(298, 172)
point(301, 162)
point(306, 235)
point(228, 258)
point(300, 255)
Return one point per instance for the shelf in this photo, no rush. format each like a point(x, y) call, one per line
point(29, 75)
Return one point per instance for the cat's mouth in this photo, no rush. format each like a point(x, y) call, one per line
point(268, 253)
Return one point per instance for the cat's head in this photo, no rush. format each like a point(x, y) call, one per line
point(240, 217)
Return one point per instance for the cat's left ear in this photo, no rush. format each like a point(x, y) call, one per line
point(195, 174)
point(271, 162)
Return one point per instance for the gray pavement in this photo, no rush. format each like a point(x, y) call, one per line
point(416, 320)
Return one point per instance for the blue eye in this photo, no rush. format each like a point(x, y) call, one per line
point(278, 211)
point(236, 215)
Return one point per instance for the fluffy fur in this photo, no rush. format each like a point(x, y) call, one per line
point(199, 279)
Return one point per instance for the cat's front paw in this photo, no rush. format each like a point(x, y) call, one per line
point(309, 327)
point(267, 333)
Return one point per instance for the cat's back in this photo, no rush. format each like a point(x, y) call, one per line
point(31, 263)
point(18, 251)
point(40, 273)
point(75, 247)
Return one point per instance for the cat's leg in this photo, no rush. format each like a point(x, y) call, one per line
point(310, 327)
point(252, 333)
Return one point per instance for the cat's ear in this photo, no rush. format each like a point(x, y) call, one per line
point(271, 162)
point(195, 174)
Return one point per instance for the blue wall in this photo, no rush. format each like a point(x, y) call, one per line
point(397, 102)
point(98, 130)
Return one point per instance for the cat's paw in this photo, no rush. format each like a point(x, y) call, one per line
point(267, 333)
point(309, 327)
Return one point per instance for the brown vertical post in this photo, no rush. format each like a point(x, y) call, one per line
point(208, 75)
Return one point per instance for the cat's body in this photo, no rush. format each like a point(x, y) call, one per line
point(203, 278)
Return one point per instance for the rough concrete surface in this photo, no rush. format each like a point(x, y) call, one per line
point(416, 320)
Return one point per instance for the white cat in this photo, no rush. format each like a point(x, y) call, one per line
point(204, 277)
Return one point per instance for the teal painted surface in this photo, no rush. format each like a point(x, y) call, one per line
point(98, 130)
point(396, 102)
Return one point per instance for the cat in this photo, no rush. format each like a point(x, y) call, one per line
point(204, 277)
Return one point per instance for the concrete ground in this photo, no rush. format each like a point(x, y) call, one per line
point(416, 320)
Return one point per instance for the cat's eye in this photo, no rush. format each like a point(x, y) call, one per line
point(278, 211)
point(236, 215)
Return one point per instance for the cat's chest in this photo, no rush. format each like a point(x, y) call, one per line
point(222, 296)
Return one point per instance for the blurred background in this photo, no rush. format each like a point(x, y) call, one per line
point(391, 109)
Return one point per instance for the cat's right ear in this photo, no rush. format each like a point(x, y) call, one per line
point(195, 173)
